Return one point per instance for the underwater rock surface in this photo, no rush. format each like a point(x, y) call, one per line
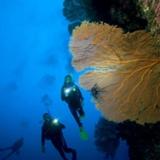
point(143, 140)
point(106, 137)
point(125, 14)
point(124, 70)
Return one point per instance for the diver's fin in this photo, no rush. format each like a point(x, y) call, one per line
point(7, 156)
point(83, 134)
point(82, 117)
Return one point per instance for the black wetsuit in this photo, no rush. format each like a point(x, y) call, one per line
point(74, 100)
point(54, 133)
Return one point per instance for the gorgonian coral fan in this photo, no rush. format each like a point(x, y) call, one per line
point(125, 68)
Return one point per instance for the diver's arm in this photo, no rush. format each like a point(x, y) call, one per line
point(43, 140)
point(81, 98)
point(79, 92)
point(62, 94)
point(62, 126)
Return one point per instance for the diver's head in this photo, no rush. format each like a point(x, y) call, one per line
point(68, 79)
point(47, 117)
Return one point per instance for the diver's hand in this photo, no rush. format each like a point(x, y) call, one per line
point(43, 149)
point(82, 102)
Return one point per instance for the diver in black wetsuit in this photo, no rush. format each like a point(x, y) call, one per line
point(52, 130)
point(71, 94)
point(15, 148)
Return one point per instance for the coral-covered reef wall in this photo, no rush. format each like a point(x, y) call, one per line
point(126, 14)
point(107, 138)
point(151, 11)
point(143, 140)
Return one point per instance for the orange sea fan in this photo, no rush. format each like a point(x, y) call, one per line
point(125, 68)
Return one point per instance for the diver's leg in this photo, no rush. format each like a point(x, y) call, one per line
point(8, 156)
point(72, 151)
point(69, 150)
point(57, 144)
point(81, 111)
point(75, 115)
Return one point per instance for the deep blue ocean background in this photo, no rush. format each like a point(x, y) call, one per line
point(34, 58)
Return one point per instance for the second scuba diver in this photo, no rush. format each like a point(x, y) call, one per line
point(71, 94)
point(15, 148)
point(52, 130)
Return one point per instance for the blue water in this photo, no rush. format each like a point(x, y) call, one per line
point(34, 58)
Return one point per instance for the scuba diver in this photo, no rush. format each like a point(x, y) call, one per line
point(71, 94)
point(47, 102)
point(52, 130)
point(15, 148)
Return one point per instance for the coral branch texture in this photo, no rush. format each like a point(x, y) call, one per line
point(124, 67)
point(151, 10)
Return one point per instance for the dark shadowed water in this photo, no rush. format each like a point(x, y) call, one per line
point(34, 58)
